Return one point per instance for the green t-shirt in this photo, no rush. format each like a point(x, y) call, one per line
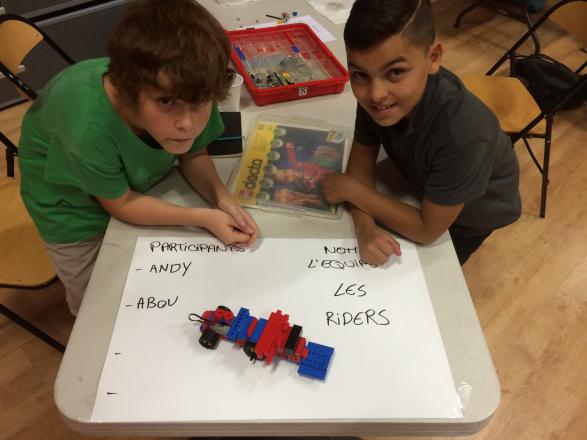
point(74, 147)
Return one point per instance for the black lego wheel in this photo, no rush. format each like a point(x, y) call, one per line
point(249, 349)
point(209, 339)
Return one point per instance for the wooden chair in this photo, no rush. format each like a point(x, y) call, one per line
point(23, 258)
point(518, 113)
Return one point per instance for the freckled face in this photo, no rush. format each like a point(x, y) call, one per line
point(389, 79)
point(173, 123)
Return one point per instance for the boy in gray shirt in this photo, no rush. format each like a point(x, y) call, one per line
point(440, 137)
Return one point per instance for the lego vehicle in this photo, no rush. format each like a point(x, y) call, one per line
point(263, 339)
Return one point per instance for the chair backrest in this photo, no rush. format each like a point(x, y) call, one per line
point(22, 37)
point(18, 36)
point(569, 13)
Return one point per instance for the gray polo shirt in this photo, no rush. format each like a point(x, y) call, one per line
point(453, 150)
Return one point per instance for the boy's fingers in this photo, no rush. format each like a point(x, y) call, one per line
point(248, 228)
point(240, 221)
point(239, 236)
point(395, 246)
point(243, 220)
point(248, 242)
point(380, 258)
point(252, 224)
point(375, 255)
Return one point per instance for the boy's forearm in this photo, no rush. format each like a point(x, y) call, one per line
point(361, 168)
point(360, 192)
point(140, 209)
point(396, 215)
point(200, 172)
point(361, 220)
point(361, 164)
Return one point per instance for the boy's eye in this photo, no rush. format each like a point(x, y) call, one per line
point(395, 73)
point(358, 76)
point(165, 101)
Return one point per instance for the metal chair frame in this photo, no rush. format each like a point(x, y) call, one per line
point(547, 114)
point(46, 38)
point(11, 153)
point(522, 16)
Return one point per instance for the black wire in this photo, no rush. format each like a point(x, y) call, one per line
point(200, 319)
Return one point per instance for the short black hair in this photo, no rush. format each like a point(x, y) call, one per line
point(373, 21)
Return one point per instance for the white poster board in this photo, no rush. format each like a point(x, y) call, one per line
point(391, 364)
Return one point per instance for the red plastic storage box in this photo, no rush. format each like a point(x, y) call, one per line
point(285, 62)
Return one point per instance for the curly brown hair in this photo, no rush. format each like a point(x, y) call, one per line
point(179, 39)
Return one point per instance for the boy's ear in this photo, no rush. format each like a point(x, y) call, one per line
point(435, 55)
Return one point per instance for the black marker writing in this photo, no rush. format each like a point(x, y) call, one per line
point(170, 268)
point(153, 303)
point(166, 246)
point(367, 317)
point(351, 290)
point(338, 264)
point(340, 250)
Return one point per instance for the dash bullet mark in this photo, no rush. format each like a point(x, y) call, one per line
point(109, 393)
point(118, 353)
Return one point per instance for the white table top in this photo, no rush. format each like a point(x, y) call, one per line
point(468, 355)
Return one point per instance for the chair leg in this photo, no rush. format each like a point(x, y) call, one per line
point(466, 11)
point(31, 328)
point(545, 166)
point(10, 154)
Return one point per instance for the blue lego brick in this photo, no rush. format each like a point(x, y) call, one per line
point(240, 325)
point(258, 330)
point(312, 372)
point(319, 351)
point(316, 364)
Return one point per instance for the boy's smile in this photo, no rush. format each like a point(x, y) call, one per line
point(389, 79)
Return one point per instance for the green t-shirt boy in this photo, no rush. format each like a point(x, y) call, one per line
point(103, 131)
point(74, 148)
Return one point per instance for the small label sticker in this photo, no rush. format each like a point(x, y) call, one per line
point(303, 91)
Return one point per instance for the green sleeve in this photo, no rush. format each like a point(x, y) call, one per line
point(90, 164)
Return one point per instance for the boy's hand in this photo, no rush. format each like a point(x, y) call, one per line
point(337, 187)
point(242, 219)
point(225, 228)
point(376, 245)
